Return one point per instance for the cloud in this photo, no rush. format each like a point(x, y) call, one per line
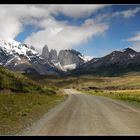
point(130, 13)
point(60, 35)
point(72, 10)
point(126, 13)
point(78, 10)
point(56, 34)
point(10, 25)
point(13, 17)
point(123, 14)
point(135, 40)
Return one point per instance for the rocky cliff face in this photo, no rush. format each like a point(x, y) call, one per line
point(53, 55)
point(21, 57)
point(45, 52)
point(66, 59)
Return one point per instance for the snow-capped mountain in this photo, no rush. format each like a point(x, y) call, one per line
point(14, 50)
point(17, 56)
point(20, 57)
point(13, 47)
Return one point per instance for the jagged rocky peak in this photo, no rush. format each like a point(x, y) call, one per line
point(67, 57)
point(129, 50)
point(45, 52)
point(74, 52)
point(53, 55)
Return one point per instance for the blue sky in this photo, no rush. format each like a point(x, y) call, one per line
point(119, 30)
point(121, 22)
point(28, 30)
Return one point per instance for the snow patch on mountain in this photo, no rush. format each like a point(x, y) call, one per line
point(131, 55)
point(82, 57)
point(88, 57)
point(70, 67)
point(85, 58)
point(58, 65)
point(8, 62)
point(112, 58)
point(12, 47)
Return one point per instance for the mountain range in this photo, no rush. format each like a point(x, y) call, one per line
point(65, 59)
point(20, 57)
point(115, 63)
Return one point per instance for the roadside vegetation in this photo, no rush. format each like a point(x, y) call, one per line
point(25, 98)
point(16, 82)
point(23, 101)
point(126, 87)
point(17, 111)
point(127, 95)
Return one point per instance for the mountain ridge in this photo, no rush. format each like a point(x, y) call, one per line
point(115, 63)
point(21, 57)
point(17, 56)
point(64, 60)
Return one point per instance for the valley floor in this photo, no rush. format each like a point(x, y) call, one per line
point(80, 113)
point(85, 114)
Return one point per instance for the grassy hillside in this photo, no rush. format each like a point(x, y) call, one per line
point(17, 82)
point(23, 101)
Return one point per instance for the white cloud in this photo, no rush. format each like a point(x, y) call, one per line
point(130, 13)
point(78, 10)
point(72, 10)
point(10, 25)
point(126, 13)
point(135, 40)
point(60, 35)
point(56, 34)
point(13, 17)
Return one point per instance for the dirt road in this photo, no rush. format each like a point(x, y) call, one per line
point(83, 114)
